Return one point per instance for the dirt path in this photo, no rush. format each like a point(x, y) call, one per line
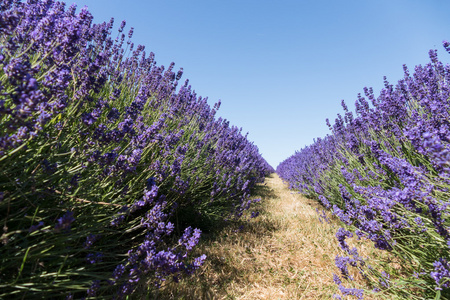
point(285, 253)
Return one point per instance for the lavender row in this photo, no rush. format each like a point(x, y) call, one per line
point(384, 172)
point(104, 156)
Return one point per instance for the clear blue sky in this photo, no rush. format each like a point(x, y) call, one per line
point(282, 67)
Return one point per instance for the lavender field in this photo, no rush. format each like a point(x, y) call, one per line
point(109, 166)
point(112, 169)
point(384, 172)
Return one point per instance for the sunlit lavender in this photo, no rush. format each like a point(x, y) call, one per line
point(384, 172)
point(105, 156)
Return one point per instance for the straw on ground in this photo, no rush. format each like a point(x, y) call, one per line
point(285, 253)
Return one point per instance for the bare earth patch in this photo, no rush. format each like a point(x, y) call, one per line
point(285, 253)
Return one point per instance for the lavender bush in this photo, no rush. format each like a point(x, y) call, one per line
point(103, 156)
point(384, 172)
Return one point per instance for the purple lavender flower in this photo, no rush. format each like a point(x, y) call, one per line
point(90, 240)
point(190, 238)
point(92, 291)
point(342, 262)
point(198, 262)
point(385, 279)
point(122, 25)
point(93, 258)
point(119, 217)
point(36, 227)
point(118, 272)
point(441, 274)
point(358, 293)
point(336, 279)
point(254, 214)
point(65, 222)
point(341, 235)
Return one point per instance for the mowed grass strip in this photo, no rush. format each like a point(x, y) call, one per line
point(285, 253)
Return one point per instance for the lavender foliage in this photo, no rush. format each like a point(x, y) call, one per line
point(103, 155)
point(384, 172)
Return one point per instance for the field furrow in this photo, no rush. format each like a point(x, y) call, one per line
point(287, 252)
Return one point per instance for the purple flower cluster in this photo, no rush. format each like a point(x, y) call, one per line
point(384, 170)
point(149, 263)
point(64, 223)
point(51, 37)
point(93, 258)
point(441, 273)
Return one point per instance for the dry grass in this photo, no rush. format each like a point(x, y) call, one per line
point(285, 253)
